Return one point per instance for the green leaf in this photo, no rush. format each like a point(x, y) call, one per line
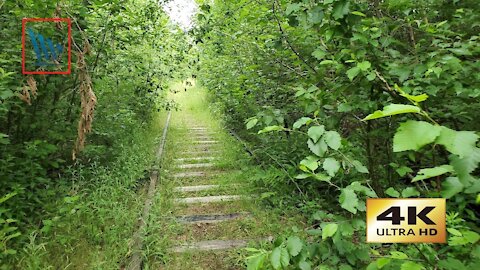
point(371, 76)
point(7, 197)
point(256, 262)
point(344, 107)
point(275, 258)
point(471, 236)
point(4, 139)
point(473, 187)
point(265, 195)
point(457, 241)
point(461, 51)
point(418, 98)
point(300, 91)
point(392, 192)
point(345, 267)
point(294, 245)
point(303, 176)
point(372, 266)
point(302, 121)
point(270, 128)
point(382, 262)
point(292, 8)
point(319, 54)
point(340, 9)
point(437, 70)
point(331, 165)
point(356, 186)
point(454, 231)
point(464, 166)
point(304, 265)
point(352, 73)
point(364, 66)
point(252, 123)
point(316, 132)
point(6, 94)
point(392, 109)
point(348, 200)
point(309, 162)
point(284, 257)
point(451, 263)
point(322, 177)
point(315, 15)
point(318, 148)
point(411, 266)
point(10, 251)
point(314, 232)
point(432, 172)
point(11, 236)
point(460, 143)
point(333, 139)
point(450, 187)
point(329, 230)
point(359, 166)
point(410, 192)
point(358, 13)
point(402, 171)
point(326, 62)
point(398, 255)
point(312, 89)
point(412, 135)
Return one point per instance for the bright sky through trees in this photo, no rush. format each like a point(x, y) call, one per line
point(181, 12)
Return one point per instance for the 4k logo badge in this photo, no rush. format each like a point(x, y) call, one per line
point(406, 221)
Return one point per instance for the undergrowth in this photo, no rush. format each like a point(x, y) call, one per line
point(94, 225)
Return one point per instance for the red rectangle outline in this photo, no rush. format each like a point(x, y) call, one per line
point(69, 23)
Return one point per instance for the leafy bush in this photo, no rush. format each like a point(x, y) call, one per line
point(358, 99)
point(64, 209)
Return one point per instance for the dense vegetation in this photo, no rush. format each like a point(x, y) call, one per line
point(338, 100)
point(353, 99)
point(55, 211)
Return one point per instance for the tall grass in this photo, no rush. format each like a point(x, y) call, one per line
point(95, 222)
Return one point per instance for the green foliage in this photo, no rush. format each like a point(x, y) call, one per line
point(392, 192)
point(329, 230)
point(393, 109)
point(312, 71)
point(294, 245)
point(65, 204)
point(348, 200)
point(432, 172)
point(413, 135)
point(7, 229)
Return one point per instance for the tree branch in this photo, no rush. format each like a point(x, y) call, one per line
point(284, 36)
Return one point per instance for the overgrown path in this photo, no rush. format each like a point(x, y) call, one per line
point(204, 211)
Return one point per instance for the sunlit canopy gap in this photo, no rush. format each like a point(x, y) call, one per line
point(181, 12)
